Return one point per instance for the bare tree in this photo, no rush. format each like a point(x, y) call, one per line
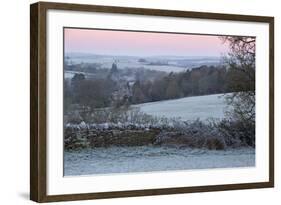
point(240, 63)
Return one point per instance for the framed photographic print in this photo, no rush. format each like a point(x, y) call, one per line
point(134, 102)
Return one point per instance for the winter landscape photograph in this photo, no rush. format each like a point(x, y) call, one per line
point(140, 101)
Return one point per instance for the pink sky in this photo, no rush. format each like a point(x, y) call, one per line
point(141, 43)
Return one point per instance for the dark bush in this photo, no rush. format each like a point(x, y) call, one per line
point(237, 133)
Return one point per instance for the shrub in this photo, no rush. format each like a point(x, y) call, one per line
point(237, 133)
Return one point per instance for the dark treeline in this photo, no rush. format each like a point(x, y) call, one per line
point(203, 80)
point(116, 91)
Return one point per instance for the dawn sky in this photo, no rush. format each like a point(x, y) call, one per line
point(141, 43)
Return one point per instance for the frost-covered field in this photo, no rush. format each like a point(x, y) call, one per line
point(130, 62)
point(148, 158)
point(173, 64)
point(106, 160)
point(189, 108)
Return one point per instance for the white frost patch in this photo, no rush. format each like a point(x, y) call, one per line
point(189, 108)
point(83, 125)
point(148, 158)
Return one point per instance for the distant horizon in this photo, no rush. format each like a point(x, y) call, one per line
point(142, 44)
point(142, 56)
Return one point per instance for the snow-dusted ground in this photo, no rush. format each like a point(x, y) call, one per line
point(189, 108)
point(148, 158)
